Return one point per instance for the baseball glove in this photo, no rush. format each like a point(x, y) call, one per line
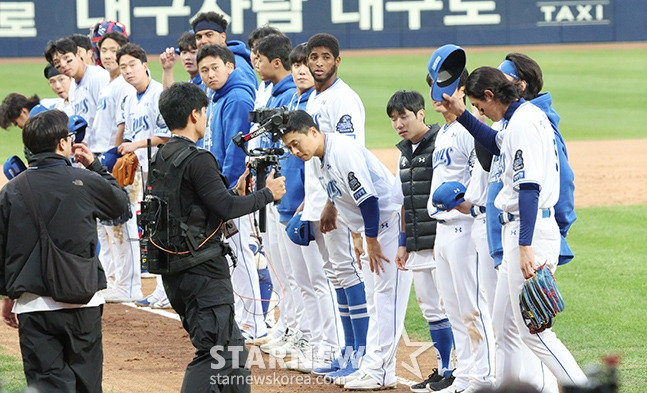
point(540, 301)
point(125, 169)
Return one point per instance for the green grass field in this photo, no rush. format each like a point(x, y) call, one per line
point(600, 94)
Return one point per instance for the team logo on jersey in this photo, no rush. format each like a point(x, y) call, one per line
point(517, 164)
point(353, 182)
point(518, 176)
point(360, 193)
point(332, 190)
point(472, 160)
point(345, 125)
point(496, 169)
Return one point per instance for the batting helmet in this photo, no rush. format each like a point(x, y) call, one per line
point(300, 232)
point(99, 29)
point(109, 158)
point(37, 109)
point(77, 125)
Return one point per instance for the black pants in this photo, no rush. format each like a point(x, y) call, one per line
point(219, 365)
point(62, 349)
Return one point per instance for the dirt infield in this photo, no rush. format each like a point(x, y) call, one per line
point(145, 352)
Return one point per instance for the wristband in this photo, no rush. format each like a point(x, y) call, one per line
point(402, 239)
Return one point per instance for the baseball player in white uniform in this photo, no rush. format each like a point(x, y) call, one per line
point(142, 121)
point(120, 243)
point(457, 262)
point(336, 108)
point(353, 179)
point(525, 141)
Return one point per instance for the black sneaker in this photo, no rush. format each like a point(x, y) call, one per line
point(442, 384)
point(422, 386)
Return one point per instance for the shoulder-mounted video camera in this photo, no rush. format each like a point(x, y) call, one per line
point(272, 121)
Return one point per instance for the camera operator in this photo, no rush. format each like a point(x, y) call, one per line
point(202, 293)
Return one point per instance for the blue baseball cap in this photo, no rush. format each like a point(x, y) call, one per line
point(449, 195)
point(445, 66)
point(77, 125)
point(13, 166)
point(300, 232)
point(37, 109)
point(109, 158)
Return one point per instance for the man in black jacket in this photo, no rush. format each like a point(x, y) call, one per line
point(60, 342)
point(197, 281)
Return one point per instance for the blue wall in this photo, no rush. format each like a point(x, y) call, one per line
point(26, 26)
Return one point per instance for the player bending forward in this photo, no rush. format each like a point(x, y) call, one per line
point(353, 178)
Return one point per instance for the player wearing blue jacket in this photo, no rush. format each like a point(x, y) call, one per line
point(231, 102)
point(211, 28)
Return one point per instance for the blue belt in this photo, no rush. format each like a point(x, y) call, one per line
point(477, 210)
point(505, 218)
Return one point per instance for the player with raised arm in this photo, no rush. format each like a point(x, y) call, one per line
point(525, 141)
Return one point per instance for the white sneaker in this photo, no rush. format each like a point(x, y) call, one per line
point(366, 382)
point(162, 304)
point(115, 296)
point(280, 351)
point(300, 349)
point(303, 365)
point(275, 342)
point(343, 380)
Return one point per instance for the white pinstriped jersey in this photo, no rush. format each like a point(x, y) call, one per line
point(528, 155)
point(453, 160)
point(350, 174)
point(338, 109)
point(143, 119)
point(84, 97)
point(109, 108)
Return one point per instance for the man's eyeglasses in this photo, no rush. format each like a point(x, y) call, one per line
point(72, 135)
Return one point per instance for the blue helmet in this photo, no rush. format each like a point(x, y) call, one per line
point(300, 232)
point(13, 166)
point(77, 125)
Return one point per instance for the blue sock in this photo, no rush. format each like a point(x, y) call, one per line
point(342, 305)
point(265, 284)
point(443, 338)
point(358, 315)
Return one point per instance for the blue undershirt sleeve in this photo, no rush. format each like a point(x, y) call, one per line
point(371, 214)
point(528, 205)
point(485, 135)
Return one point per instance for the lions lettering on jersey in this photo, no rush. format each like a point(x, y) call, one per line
point(139, 124)
point(81, 108)
point(103, 103)
point(332, 189)
point(443, 157)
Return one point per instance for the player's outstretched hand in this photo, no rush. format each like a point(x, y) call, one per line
point(453, 104)
point(7, 316)
point(276, 185)
point(375, 256)
point(82, 154)
point(527, 261)
point(167, 58)
point(401, 257)
point(328, 219)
